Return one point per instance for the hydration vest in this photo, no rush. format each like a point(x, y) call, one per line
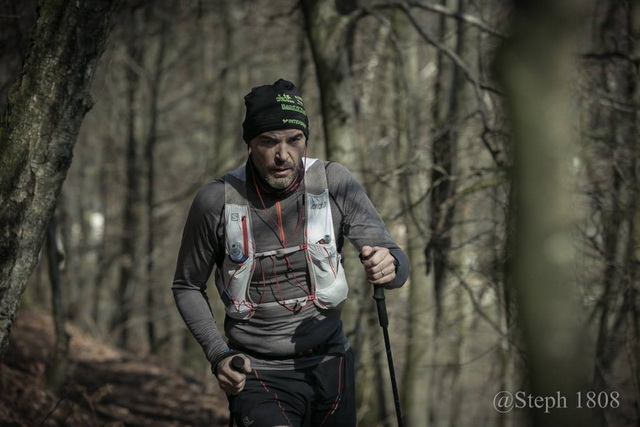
point(328, 284)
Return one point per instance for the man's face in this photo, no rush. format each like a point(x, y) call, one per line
point(276, 155)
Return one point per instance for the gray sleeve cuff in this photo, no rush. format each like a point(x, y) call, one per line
point(402, 269)
point(218, 358)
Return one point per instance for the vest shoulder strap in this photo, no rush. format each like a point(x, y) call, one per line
point(235, 190)
point(315, 179)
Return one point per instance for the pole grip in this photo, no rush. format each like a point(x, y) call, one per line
point(378, 295)
point(237, 364)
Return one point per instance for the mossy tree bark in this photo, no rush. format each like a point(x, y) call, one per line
point(45, 108)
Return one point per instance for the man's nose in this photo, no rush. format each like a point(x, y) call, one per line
point(281, 152)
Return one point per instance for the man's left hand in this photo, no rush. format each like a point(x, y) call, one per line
point(379, 265)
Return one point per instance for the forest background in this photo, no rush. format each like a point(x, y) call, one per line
point(498, 140)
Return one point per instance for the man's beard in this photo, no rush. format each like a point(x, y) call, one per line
point(284, 182)
point(275, 184)
point(280, 183)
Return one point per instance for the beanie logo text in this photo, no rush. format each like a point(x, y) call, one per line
point(294, 122)
point(295, 108)
point(283, 97)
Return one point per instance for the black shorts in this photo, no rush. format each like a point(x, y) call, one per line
point(321, 395)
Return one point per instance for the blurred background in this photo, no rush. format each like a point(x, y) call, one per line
point(405, 94)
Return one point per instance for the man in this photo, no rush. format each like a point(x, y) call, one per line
point(274, 231)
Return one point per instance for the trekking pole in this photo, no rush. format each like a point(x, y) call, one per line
point(378, 295)
point(237, 364)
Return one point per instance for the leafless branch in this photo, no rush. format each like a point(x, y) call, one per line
point(435, 8)
point(463, 17)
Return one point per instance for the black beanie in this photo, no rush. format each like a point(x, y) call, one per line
point(274, 107)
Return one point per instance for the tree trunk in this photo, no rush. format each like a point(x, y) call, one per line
point(407, 116)
point(327, 30)
point(503, 312)
point(58, 368)
point(447, 112)
point(535, 67)
point(39, 128)
point(105, 255)
point(229, 109)
point(132, 265)
point(154, 86)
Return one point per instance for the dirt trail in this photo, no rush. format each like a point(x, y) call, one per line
point(105, 386)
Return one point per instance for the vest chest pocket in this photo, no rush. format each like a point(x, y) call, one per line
point(319, 220)
point(330, 281)
point(238, 264)
point(325, 263)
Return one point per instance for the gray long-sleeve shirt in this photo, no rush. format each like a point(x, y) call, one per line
point(276, 331)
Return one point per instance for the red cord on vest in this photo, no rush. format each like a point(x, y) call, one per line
point(245, 237)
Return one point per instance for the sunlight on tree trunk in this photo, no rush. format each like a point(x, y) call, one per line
point(418, 340)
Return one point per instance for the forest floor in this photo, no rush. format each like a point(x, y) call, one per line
point(105, 386)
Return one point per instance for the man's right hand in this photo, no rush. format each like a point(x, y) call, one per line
point(379, 265)
point(230, 380)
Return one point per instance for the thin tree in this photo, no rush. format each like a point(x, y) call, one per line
point(55, 259)
point(155, 83)
point(132, 267)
